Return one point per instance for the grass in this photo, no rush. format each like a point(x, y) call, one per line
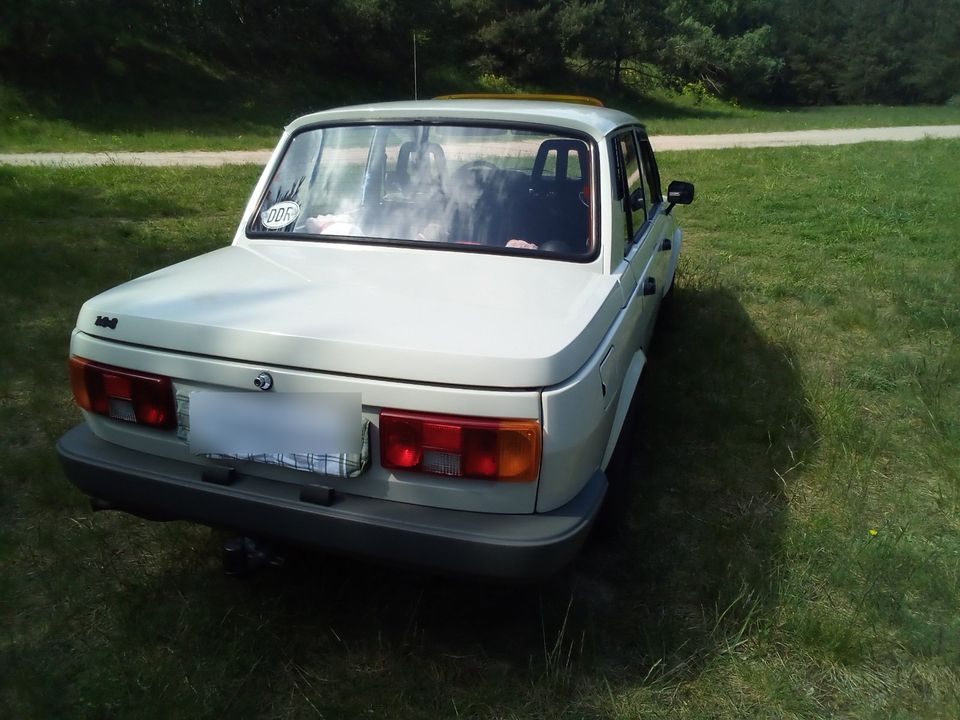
point(792, 550)
point(253, 119)
point(713, 116)
point(693, 111)
point(35, 125)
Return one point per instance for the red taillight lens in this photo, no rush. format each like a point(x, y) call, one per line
point(481, 453)
point(460, 446)
point(128, 395)
point(402, 446)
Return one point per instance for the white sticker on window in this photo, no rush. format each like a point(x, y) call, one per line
point(280, 215)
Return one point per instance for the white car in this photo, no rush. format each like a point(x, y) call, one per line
point(422, 345)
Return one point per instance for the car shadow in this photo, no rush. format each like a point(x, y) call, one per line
point(725, 429)
point(694, 574)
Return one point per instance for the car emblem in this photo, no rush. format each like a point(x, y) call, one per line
point(107, 322)
point(264, 381)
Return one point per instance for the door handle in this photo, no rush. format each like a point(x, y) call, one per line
point(666, 244)
point(650, 286)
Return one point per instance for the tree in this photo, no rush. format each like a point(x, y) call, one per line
point(515, 39)
point(612, 33)
point(854, 51)
point(728, 45)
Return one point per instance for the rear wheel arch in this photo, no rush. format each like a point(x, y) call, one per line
point(612, 518)
point(631, 380)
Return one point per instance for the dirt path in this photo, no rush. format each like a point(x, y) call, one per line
point(660, 143)
point(147, 159)
point(804, 137)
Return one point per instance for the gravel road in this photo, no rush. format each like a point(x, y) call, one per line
point(804, 137)
point(660, 143)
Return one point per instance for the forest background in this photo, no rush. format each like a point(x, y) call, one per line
point(99, 56)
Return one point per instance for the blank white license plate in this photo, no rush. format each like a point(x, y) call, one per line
point(246, 423)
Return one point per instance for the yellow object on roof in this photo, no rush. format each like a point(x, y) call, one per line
point(578, 99)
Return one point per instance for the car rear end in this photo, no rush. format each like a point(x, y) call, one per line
point(463, 361)
point(434, 487)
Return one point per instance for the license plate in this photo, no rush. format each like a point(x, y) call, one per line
point(245, 423)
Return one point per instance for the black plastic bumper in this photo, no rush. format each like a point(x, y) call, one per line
point(514, 547)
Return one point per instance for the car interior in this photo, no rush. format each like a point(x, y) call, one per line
point(480, 203)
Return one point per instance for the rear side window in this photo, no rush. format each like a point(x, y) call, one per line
point(503, 189)
point(650, 171)
point(631, 183)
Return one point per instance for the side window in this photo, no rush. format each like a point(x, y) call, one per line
point(650, 171)
point(631, 182)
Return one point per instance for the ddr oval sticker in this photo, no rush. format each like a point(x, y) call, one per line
point(280, 215)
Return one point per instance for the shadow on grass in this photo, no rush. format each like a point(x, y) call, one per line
point(726, 424)
point(649, 108)
point(146, 88)
point(142, 87)
point(111, 193)
point(66, 235)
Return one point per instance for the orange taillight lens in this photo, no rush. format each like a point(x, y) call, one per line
point(128, 395)
point(454, 446)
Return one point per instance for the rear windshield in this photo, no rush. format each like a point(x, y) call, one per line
point(492, 188)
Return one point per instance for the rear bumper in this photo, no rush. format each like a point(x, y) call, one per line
point(512, 547)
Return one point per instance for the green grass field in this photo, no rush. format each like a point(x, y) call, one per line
point(793, 549)
point(41, 125)
point(718, 117)
point(255, 122)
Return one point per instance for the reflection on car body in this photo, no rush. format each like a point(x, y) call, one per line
point(476, 280)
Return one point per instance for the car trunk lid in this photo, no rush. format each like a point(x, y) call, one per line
point(423, 315)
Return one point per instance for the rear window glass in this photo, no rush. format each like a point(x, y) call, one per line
point(510, 189)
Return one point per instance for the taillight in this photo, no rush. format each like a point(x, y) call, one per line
point(460, 446)
point(128, 395)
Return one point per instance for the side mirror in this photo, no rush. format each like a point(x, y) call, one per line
point(679, 193)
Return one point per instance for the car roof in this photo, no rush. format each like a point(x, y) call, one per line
point(595, 121)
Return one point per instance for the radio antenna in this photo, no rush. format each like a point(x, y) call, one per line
point(415, 65)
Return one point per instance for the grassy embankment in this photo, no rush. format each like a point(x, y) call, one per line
point(793, 551)
point(254, 121)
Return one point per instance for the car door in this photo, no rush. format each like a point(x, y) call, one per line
point(642, 224)
point(661, 225)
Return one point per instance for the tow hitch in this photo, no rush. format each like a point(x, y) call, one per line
point(242, 555)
